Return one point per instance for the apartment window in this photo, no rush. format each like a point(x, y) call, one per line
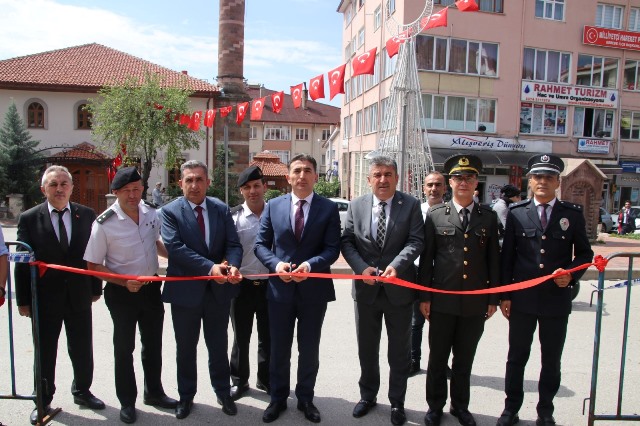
point(546, 65)
point(609, 16)
point(388, 64)
point(346, 128)
point(347, 52)
point(391, 7)
point(253, 134)
point(302, 134)
point(634, 19)
point(459, 113)
point(35, 116)
point(347, 91)
point(326, 133)
point(283, 155)
point(593, 122)
point(354, 46)
point(630, 125)
point(370, 80)
point(457, 56)
point(494, 6)
point(359, 123)
point(550, 9)
point(361, 37)
point(277, 133)
point(361, 171)
point(597, 71)
point(83, 117)
point(543, 119)
point(384, 111)
point(631, 75)
point(347, 17)
point(377, 18)
point(371, 118)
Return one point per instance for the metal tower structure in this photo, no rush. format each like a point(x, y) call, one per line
point(402, 135)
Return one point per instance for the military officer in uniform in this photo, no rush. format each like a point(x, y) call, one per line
point(125, 239)
point(543, 235)
point(461, 253)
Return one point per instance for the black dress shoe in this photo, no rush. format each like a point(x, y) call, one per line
point(545, 421)
point(363, 407)
point(33, 418)
point(433, 417)
point(464, 416)
point(162, 401)
point(273, 411)
point(183, 409)
point(311, 413)
point(507, 418)
point(263, 387)
point(87, 399)
point(228, 406)
point(414, 368)
point(398, 417)
point(128, 414)
point(238, 391)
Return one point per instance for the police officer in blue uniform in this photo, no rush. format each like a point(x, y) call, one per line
point(543, 235)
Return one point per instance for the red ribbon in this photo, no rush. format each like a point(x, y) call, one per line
point(599, 262)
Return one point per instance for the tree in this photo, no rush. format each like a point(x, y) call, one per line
point(19, 161)
point(217, 188)
point(327, 189)
point(139, 116)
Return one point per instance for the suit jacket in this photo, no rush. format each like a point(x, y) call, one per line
point(402, 245)
point(457, 260)
point(190, 256)
point(529, 252)
point(319, 245)
point(56, 288)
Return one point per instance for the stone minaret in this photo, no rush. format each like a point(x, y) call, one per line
point(231, 46)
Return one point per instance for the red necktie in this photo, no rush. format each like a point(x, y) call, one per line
point(543, 216)
point(299, 220)
point(200, 220)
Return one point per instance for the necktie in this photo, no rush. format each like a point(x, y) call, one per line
point(200, 220)
point(465, 218)
point(299, 219)
point(543, 216)
point(382, 225)
point(62, 230)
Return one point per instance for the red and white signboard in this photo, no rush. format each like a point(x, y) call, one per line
point(562, 94)
point(608, 37)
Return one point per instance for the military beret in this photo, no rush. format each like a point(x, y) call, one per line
point(509, 191)
point(124, 176)
point(545, 164)
point(249, 174)
point(462, 165)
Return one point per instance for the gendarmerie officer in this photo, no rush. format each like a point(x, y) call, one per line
point(253, 291)
point(461, 253)
point(125, 239)
point(543, 236)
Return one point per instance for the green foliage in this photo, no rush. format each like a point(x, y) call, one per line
point(627, 236)
point(140, 115)
point(217, 188)
point(272, 193)
point(327, 189)
point(19, 162)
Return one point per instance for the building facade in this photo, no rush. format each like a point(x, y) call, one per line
point(504, 83)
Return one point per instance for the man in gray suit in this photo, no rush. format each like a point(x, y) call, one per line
point(384, 234)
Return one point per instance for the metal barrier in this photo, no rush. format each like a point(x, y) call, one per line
point(26, 256)
point(618, 416)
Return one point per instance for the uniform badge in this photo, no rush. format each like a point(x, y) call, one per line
point(564, 223)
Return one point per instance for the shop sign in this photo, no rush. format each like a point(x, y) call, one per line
point(594, 146)
point(562, 94)
point(630, 167)
point(609, 37)
point(487, 143)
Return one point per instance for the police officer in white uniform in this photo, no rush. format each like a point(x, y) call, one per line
point(125, 239)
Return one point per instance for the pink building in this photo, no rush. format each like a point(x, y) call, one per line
point(513, 79)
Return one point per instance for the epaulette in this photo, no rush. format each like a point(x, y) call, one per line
point(485, 207)
point(570, 205)
point(150, 204)
point(104, 216)
point(236, 209)
point(519, 204)
point(438, 207)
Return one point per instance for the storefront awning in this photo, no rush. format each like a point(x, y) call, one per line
point(489, 158)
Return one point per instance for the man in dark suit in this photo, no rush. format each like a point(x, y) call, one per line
point(384, 234)
point(58, 232)
point(543, 235)
point(299, 233)
point(626, 219)
point(461, 253)
point(201, 239)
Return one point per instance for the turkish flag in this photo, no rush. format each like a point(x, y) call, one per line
point(393, 44)
point(467, 5)
point(241, 111)
point(336, 81)
point(185, 119)
point(435, 20)
point(111, 172)
point(364, 63)
point(256, 108)
point(316, 87)
point(277, 99)
point(296, 95)
point(194, 123)
point(224, 111)
point(210, 118)
point(117, 162)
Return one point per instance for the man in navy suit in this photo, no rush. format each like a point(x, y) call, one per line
point(201, 239)
point(299, 232)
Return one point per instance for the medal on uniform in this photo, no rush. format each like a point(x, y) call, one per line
point(564, 223)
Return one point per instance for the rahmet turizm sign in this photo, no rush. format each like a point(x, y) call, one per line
point(562, 94)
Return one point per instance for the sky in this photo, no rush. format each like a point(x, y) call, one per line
point(286, 41)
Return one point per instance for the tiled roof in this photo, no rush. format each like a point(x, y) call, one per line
point(86, 68)
point(270, 164)
point(316, 112)
point(84, 150)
